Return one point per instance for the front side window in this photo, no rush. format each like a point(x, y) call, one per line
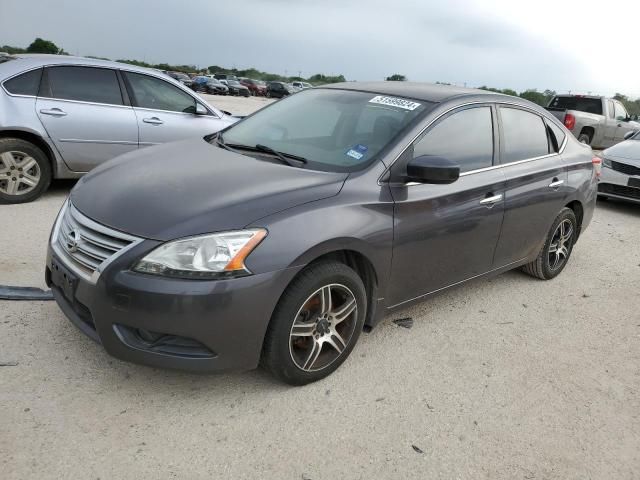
point(86, 84)
point(26, 83)
point(156, 94)
point(464, 137)
point(334, 130)
point(621, 112)
point(524, 135)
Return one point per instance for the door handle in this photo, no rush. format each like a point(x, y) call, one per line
point(491, 201)
point(556, 183)
point(56, 112)
point(153, 121)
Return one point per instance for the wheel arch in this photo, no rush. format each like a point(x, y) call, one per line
point(578, 211)
point(37, 140)
point(356, 256)
point(590, 131)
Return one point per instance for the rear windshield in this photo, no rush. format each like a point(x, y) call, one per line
point(581, 104)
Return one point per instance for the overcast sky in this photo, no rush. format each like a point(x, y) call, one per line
point(557, 44)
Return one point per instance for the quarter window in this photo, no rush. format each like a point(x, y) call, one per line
point(465, 137)
point(27, 83)
point(156, 94)
point(557, 136)
point(86, 84)
point(524, 135)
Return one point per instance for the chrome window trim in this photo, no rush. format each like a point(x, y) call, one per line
point(480, 170)
point(63, 256)
point(84, 102)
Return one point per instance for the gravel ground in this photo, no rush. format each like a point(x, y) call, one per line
point(509, 378)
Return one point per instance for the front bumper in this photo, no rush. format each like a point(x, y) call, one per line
point(615, 184)
point(171, 323)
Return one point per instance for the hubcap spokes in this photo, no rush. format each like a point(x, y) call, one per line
point(19, 173)
point(560, 244)
point(323, 327)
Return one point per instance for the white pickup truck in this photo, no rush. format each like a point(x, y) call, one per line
point(597, 121)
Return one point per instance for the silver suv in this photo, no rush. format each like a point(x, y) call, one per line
point(62, 116)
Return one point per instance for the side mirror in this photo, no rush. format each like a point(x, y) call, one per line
point(201, 110)
point(432, 169)
point(630, 134)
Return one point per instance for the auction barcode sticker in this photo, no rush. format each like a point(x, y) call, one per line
point(395, 102)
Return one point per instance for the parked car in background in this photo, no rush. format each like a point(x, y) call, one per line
point(204, 84)
point(621, 170)
point(301, 85)
point(256, 87)
point(597, 121)
point(236, 88)
point(279, 90)
point(282, 238)
point(225, 76)
point(183, 78)
point(61, 116)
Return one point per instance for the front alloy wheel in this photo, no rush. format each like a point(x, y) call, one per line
point(316, 323)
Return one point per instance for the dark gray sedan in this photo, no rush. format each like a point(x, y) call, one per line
point(278, 240)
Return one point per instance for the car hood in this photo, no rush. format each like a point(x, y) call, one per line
point(627, 150)
point(192, 187)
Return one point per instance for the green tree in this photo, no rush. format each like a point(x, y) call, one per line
point(534, 96)
point(396, 77)
point(39, 45)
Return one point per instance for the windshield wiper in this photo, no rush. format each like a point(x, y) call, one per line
point(220, 143)
point(284, 157)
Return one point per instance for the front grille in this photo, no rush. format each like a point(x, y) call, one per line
point(86, 245)
point(625, 168)
point(621, 190)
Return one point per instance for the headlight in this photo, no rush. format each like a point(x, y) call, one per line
point(606, 162)
point(215, 255)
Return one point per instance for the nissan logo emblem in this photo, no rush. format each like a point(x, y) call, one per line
point(73, 240)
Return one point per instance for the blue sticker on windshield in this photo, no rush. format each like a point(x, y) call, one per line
point(357, 151)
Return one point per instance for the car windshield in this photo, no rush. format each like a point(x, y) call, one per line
point(334, 130)
point(233, 82)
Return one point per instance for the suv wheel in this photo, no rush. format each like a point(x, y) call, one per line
point(316, 324)
point(557, 247)
point(584, 138)
point(25, 171)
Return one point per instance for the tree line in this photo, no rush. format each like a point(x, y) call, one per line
point(40, 45)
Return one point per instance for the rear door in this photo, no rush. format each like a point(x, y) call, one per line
point(166, 113)
point(444, 234)
point(536, 182)
point(86, 115)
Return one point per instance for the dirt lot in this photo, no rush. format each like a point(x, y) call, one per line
point(508, 378)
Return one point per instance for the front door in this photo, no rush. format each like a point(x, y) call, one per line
point(444, 234)
point(623, 126)
point(166, 113)
point(83, 112)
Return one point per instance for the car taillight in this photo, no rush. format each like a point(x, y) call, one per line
point(569, 121)
point(597, 166)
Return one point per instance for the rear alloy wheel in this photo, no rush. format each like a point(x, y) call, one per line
point(316, 324)
point(557, 248)
point(25, 172)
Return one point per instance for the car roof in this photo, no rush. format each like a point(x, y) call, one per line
point(27, 61)
point(428, 92)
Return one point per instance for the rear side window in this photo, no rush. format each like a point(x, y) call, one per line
point(524, 135)
point(154, 93)
point(26, 83)
point(85, 84)
point(557, 135)
point(465, 137)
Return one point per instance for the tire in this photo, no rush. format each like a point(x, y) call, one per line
point(268, 94)
point(544, 266)
point(316, 350)
point(16, 154)
point(584, 138)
